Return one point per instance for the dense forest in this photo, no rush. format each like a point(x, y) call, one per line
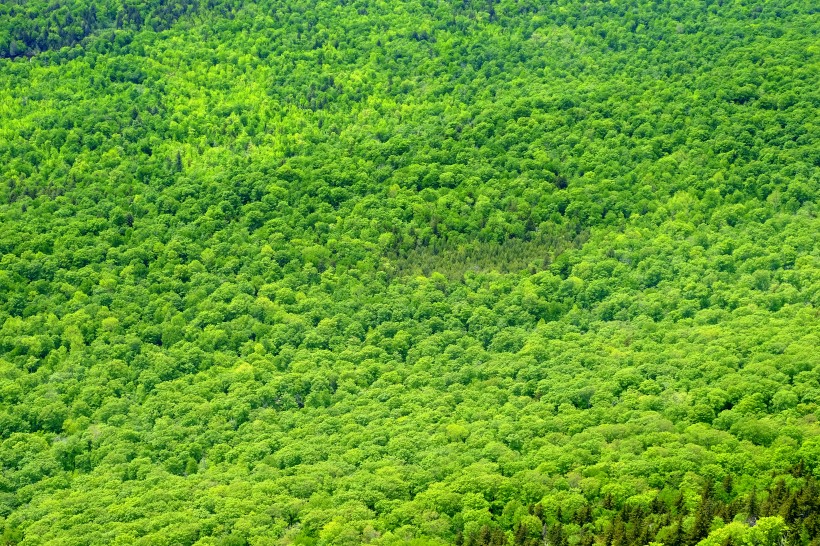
point(480, 272)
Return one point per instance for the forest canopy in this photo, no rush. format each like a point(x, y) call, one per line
point(477, 273)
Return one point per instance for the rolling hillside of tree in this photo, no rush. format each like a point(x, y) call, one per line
point(417, 272)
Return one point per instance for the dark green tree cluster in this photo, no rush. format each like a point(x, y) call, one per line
point(28, 27)
point(790, 514)
point(415, 272)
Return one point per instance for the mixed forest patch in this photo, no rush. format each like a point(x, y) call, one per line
point(533, 253)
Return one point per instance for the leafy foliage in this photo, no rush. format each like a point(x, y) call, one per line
point(364, 272)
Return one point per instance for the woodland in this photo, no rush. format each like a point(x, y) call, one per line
point(419, 272)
